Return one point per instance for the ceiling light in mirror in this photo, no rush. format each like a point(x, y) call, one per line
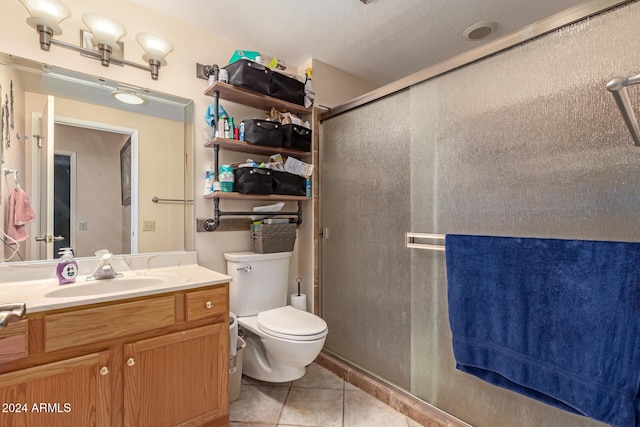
point(128, 97)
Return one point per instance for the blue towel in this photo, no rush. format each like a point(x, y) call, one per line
point(555, 320)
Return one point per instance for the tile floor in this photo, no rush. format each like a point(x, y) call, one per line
point(319, 399)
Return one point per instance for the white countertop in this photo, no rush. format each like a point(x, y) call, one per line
point(36, 284)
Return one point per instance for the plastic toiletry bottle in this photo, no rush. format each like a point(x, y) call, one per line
point(231, 127)
point(307, 185)
point(227, 135)
point(67, 268)
point(226, 178)
point(208, 180)
point(241, 131)
point(309, 93)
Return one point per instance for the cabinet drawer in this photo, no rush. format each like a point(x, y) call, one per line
point(103, 323)
point(13, 341)
point(206, 303)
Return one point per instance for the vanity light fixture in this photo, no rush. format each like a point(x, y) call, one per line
point(46, 16)
point(128, 97)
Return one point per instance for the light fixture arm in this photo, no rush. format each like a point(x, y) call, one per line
point(155, 46)
point(103, 54)
point(45, 36)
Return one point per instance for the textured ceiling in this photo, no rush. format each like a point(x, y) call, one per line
point(380, 42)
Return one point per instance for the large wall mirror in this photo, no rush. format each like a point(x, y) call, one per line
point(98, 173)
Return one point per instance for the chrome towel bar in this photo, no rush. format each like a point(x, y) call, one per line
point(159, 200)
point(618, 88)
point(410, 241)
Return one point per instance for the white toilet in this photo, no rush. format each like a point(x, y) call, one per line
point(281, 340)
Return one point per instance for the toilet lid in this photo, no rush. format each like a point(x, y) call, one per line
point(291, 323)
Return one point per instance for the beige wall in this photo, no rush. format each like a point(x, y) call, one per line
point(334, 86)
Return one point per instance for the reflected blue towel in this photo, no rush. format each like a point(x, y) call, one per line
point(555, 320)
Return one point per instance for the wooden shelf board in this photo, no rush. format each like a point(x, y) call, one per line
point(245, 147)
point(252, 99)
point(238, 196)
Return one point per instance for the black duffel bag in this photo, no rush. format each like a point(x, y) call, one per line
point(263, 132)
point(286, 88)
point(250, 180)
point(296, 137)
point(250, 75)
point(288, 184)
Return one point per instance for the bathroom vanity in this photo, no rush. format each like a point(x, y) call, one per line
point(147, 349)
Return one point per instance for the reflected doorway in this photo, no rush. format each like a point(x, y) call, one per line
point(98, 219)
point(64, 176)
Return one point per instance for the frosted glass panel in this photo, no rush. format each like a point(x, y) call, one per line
point(526, 143)
point(365, 207)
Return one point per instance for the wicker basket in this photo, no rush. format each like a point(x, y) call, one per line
point(269, 238)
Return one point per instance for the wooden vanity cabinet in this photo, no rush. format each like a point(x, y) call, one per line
point(134, 363)
point(183, 366)
point(67, 393)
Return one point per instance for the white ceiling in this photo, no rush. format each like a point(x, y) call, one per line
point(380, 42)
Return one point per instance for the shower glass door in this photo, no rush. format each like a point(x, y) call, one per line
point(526, 143)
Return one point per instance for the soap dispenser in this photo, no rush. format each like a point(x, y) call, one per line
point(67, 268)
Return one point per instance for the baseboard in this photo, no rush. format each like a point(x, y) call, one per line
point(400, 400)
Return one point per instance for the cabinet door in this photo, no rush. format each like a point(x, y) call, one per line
point(177, 379)
point(73, 392)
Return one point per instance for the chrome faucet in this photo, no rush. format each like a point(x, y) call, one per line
point(105, 269)
point(11, 311)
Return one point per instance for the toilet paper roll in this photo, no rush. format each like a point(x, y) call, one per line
point(233, 334)
point(299, 301)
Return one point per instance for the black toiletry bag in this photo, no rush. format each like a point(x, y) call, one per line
point(250, 180)
point(263, 132)
point(249, 75)
point(288, 184)
point(286, 88)
point(296, 137)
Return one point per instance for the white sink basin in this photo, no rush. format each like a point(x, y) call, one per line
point(105, 286)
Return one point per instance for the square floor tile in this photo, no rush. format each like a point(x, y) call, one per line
point(258, 404)
point(319, 377)
point(313, 407)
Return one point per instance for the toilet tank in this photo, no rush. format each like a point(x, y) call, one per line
point(259, 281)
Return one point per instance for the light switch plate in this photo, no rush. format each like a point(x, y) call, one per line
point(148, 226)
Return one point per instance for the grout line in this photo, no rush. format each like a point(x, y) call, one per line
point(344, 398)
point(285, 401)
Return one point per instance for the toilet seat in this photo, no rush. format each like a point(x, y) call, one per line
point(292, 324)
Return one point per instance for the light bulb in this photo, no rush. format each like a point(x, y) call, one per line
point(155, 47)
point(46, 12)
point(105, 30)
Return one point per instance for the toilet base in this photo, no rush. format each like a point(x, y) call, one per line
point(257, 365)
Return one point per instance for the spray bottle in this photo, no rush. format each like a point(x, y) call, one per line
point(309, 93)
